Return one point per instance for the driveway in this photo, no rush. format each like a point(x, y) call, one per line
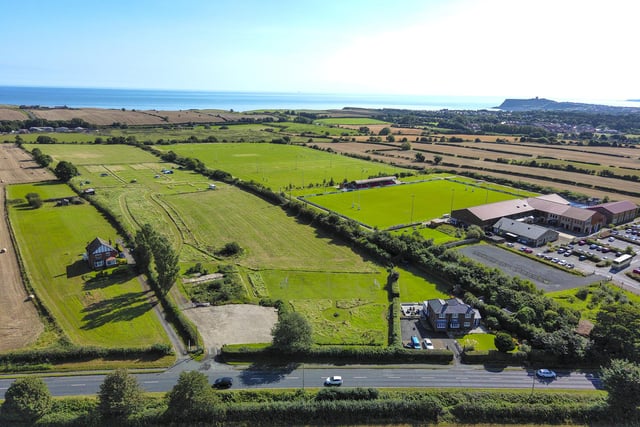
point(545, 277)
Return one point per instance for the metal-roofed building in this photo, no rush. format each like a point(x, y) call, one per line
point(528, 234)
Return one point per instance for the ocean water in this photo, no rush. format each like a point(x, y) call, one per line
point(238, 101)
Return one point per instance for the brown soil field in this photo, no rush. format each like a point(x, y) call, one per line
point(19, 321)
point(11, 114)
point(407, 158)
point(106, 117)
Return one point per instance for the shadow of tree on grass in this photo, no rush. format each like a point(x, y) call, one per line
point(121, 308)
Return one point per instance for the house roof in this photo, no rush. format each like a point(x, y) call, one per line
point(500, 209)
point(96, 243)
point(523, 229)
point(617, 207)
point(567, 211)
point(450, 306)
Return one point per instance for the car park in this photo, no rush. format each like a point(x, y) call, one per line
point(546, 373)
point(333, 381)
point(223, 382)
point(428, 344)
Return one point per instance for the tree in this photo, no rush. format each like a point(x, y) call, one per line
point(120, 395)
point(142, 251)
point(437, 159)
point(474, 232)
point(617, 331)
point(622, 381)
point(64, 171)
point(391, 138)
point(384, 131)
point(166, 262)
point(292, 332)
point(189, 397)
point(419, 157)
point(34, 200)
point(28, 398)
point(504, 342)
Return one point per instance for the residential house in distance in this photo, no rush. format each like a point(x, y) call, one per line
point(617, 212)
point(451, 315)
point(101, 254)
point(528, 234)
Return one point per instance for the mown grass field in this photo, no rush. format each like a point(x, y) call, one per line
point(110, 311)
point(408, 203)
point(280, 167)
point(351, 121)
point(480, 342)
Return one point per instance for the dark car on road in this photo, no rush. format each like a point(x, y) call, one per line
point(223, 382)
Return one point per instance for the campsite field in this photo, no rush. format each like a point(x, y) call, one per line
point(110, 311)
point(280, 166)
point(408, 203)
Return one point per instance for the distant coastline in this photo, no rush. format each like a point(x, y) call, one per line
point(174, 100)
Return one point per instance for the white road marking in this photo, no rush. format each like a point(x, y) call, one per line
point(78, 385)
point(359, 377)
point(392, 377)
point(291, 378)
point(151, 382)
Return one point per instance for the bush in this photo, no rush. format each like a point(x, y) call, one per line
point(120, 395)
point(27, 398)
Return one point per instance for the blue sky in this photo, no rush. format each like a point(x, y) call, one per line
point(561, 49)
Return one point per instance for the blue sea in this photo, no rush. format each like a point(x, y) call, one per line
point(238, 101)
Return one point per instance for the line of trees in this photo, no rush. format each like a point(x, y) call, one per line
point(153, 248)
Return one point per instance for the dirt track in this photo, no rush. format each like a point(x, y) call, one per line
point(19, 321)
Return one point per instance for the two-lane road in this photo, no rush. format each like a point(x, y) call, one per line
point(459, 377)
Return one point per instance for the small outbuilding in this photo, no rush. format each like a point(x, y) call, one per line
point(523, 232)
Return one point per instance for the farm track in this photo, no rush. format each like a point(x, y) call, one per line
point(20, 324)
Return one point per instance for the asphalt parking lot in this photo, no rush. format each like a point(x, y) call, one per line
point(545, 277)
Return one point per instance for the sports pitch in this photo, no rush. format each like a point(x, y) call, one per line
point(410, 203)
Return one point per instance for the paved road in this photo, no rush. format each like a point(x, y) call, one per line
point(358, 376)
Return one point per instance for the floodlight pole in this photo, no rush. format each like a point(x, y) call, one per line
point(413, 198)
point(453, 192)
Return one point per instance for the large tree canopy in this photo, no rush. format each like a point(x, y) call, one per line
point(622, 380)
point(27, 399)
point(292, 332)
point(64, 171)
point(617, 331)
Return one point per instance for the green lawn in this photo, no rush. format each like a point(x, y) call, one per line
point(480, 342)
point(408, 203)
point(280, 166)
point(110, 312)
point(91, 154)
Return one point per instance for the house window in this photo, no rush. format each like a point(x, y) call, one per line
point(467, 315)
point(441, 316)
point(467, 324)
point(454, 324)
point(441, 324)
point(98, 263)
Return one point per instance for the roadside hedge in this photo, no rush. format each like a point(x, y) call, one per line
point(336, 354)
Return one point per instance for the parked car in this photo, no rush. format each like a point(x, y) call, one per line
point(334, 381)
point(556, 260)
point(528, 251)
point(223, 382)
point(582, 257)
point(546, 373)
point(562, 262)
point(415, 343)
point(428, 344)
point(561, 250)
point(582, 242)
point(593, 246)
point(636, 271)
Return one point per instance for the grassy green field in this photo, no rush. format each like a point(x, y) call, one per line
point(588, 299)
point(407, 204)
point(108, 311)
point(351, 121)
point(95, 154)
point(480, 342)
point(281, 166)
